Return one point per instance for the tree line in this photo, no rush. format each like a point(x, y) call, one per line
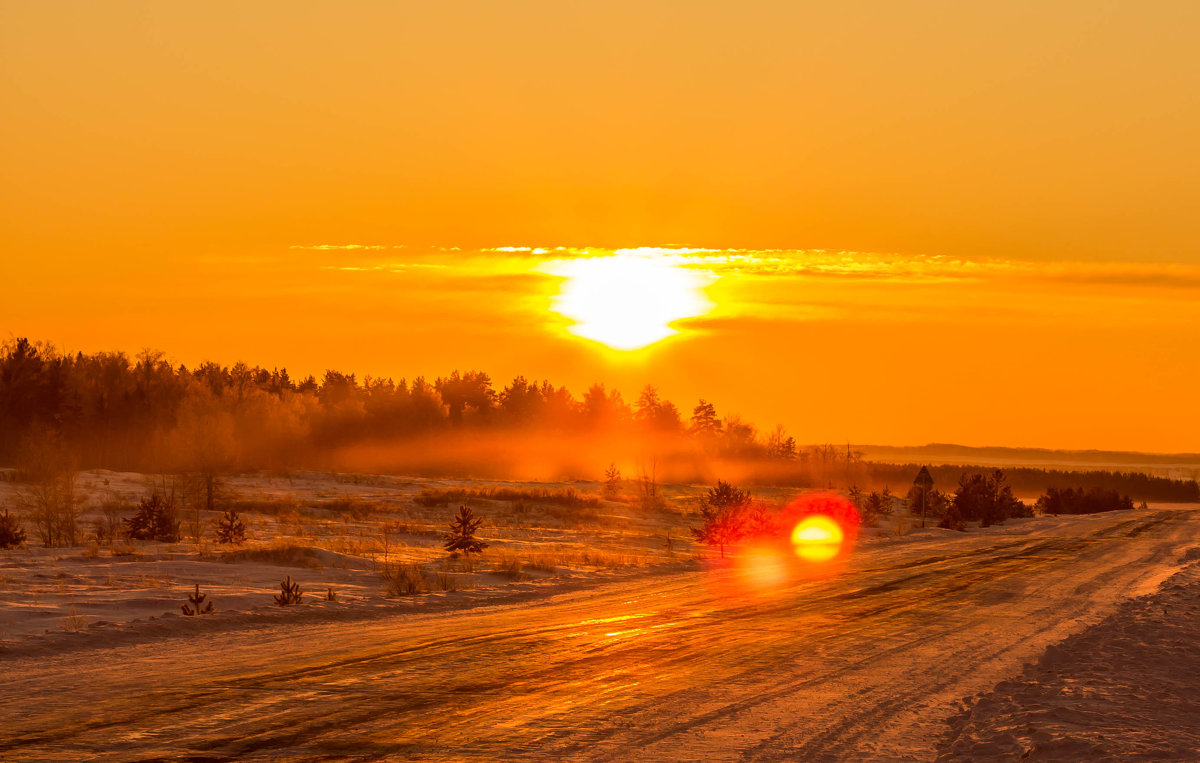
point(114, 411)
point(1027, 480)
point(729, 514)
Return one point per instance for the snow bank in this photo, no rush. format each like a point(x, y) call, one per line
point(1125, 688)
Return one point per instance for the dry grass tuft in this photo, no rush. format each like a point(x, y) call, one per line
point(510, 567)
point(281, 553)
point(265, 505)
point(542, 563)
point(356, 508)
point(465, 564)
point(405, 579)
point(123, 548)
point(445, 581)
point(155, 581)
point(568, 496)
point(74, 622)
point(595, 559)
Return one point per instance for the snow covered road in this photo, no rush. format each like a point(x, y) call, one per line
point(867, 663)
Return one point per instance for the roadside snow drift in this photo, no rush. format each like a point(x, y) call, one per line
point(1129, 687)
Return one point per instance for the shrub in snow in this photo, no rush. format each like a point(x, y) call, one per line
point(198, 607)
point(289, 593)
point(405, 579)
point(230, 527)
point(461, 538)
point(155, 519)
point(11, 532)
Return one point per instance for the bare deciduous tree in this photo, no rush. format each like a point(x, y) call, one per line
point(648, 492)
point(48, 496)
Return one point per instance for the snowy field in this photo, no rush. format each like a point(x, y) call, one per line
point(594, 631)
point(330, 532)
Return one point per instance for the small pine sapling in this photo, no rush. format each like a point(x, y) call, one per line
point(289, 593)
point(856, 497)
point(724, 514)
point(198, 606)
point(330, 595)
point(230, 527)
point(461, 538)
point(612, 482)
point(886, 504)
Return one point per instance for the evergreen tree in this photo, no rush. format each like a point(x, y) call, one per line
point(198, 607)
point(856, 497)
point(11, 532)
point(937, 501)
point(704, 420)
point(461, 538)
point(951, 518)
point(154, 520)
point(872, 508)
point(612, 482)
point(886, 505)
point(1080, 501)
point(230, 527)
point(987, 499)
point(724, 513)
point(289, 593)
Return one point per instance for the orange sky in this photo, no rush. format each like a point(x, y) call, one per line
point(988, 217)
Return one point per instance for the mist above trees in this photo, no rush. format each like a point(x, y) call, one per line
point(144, 413)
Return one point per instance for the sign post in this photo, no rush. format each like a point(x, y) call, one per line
point(924, 481)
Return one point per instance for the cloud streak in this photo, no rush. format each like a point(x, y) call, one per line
point(783, 265)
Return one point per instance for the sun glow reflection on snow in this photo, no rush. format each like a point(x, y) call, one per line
point(817, 538)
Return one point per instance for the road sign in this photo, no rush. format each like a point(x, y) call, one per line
point(924, 478)
point(924, 481)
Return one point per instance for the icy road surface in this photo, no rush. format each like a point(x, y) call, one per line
point(867, 663)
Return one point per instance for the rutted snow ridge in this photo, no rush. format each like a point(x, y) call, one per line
point(1127, 688)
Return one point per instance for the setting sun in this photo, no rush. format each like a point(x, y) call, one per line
point(628, 300)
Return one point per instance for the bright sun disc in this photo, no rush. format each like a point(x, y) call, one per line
point(628, 301)
point(817, 538)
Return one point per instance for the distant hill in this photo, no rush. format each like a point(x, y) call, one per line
point(1168, 464)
